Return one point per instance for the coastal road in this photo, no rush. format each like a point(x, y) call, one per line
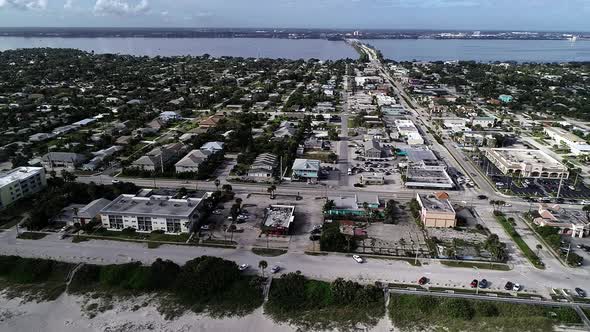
point(324, 267)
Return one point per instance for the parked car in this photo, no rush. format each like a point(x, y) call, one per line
point(483, 283)
point(473, 283)
point(580, 292)
point(422, 281)
point(358, 258)
point(218, 211)
point(275, 269)
point(509, 286)
point(243, 267)
point(316, 231)
point(516, 287)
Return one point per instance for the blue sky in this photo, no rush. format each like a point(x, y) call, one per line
point(573, 15)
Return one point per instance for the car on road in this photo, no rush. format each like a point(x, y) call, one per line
point(474, 283)
point(275, 269)
point(218, 211)
point(580, 292)
point(115, 181)
point(482, 196)
point(509, 286)
point(422, 281)
point(358, 258)
point(243, 267)
point(516, 287)
point(315, 237)
point(507, 205)
point(483, 283)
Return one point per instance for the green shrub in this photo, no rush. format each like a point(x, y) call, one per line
point(458, 308)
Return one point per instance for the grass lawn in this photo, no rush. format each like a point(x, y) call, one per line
point(479, 265)
point(524, 248)
point(269, 252)
point(157, 237)
point(32, 236)
point(414, 312)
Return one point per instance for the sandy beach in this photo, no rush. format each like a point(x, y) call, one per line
point(66, 314)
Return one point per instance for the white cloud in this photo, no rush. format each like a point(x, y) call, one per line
point(24, 4)
point(69, 4)
point(121, 7)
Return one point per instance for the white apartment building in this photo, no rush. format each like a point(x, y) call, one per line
point(155, 212)
point(20, 182)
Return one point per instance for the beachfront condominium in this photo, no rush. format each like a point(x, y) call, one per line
point(147, 213)
point(20, 182)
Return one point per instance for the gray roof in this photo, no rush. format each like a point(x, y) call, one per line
point(306, 165)
point(194, 158)
point(161, 206)
point(64, 157)
point(92, 209)
point(371, 144)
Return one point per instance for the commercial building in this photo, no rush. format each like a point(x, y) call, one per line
point(20, 182)
point(149, 213)
point(408, 130)
point(372, 149)
point(483, 121)
point(561, 136)
point(425, 170)
point(526, 163)
point(574, 224)
point(353, 205)
point(375, 178)
point(436, 210)
point(278, 219)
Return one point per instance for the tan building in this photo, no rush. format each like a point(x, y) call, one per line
point(526, 163)
point(436, 210)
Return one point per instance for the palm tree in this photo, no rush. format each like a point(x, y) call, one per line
point(367, 210)
point(539, 247)
point(217, 183)
point(271, 191)
point(493, 204)
point(262, 265)
point(232, 228)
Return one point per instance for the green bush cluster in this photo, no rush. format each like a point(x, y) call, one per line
point(410, 312)
point(32, 270)
point(322, 305)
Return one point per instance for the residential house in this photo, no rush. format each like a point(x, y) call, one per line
point(306, 169)
point(212, 147)
point(159, 157)
point(264, 166)
point(192, 161)
point(62, 160)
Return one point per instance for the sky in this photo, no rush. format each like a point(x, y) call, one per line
point(548, 15)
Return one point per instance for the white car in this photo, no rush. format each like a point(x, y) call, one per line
point(218, 211)
point(243, 267)
point(516, 287)
point(358, 259)
point(507, 204)
point(115, 181)
point(275, 269)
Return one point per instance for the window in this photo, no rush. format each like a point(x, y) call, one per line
point(173, 225)
point(116, 222)
point(144, 224)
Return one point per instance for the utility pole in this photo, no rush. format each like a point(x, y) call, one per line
point(569, 248)
point(560, 183)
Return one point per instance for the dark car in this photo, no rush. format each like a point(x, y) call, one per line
point(580, 292)
point(509, 286)
point(483, 283)
point(314, 237)
point(482, 197)
point(473, 283)
point(422, 281)
point(316, 231)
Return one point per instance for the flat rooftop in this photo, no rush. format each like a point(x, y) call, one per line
point(162, 206)
point(430, 203)
point(566, 134)
point(279, 216)
point(18, 174)
point(416, 155)
point(526, 156)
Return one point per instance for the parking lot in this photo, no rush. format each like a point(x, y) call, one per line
point(534, 187)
